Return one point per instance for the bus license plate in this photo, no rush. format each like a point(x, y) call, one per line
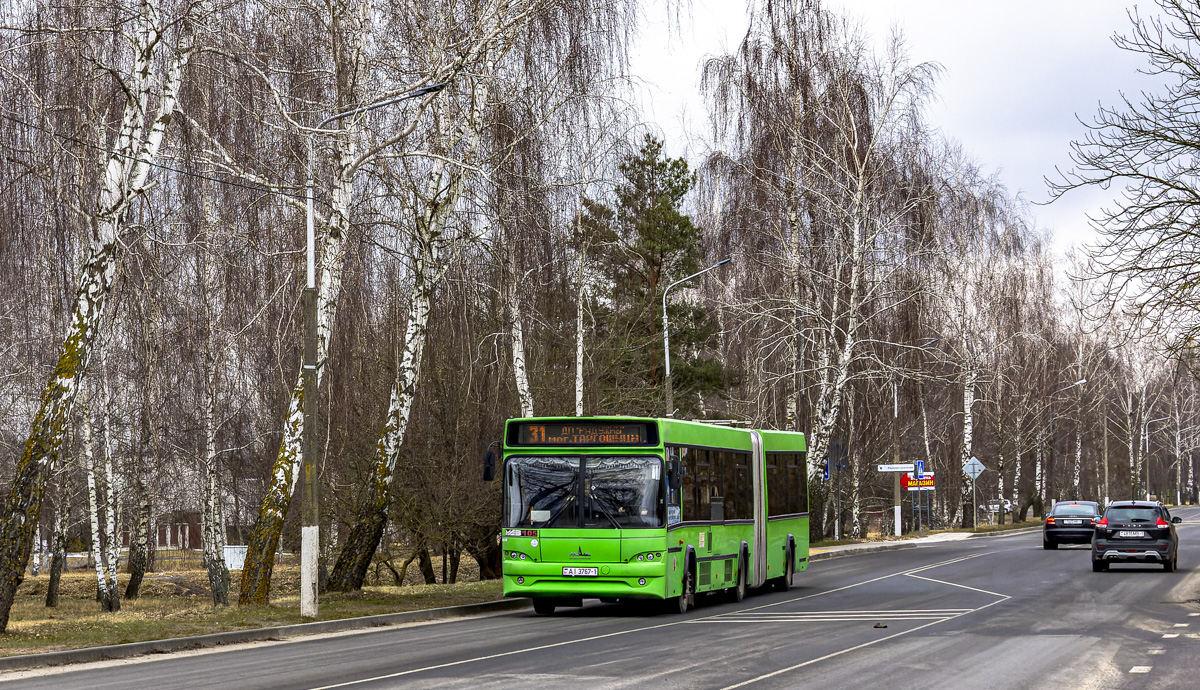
point(1131, 533)
point(580, 572)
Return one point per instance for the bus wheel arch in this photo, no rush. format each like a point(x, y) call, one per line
point(687, 593)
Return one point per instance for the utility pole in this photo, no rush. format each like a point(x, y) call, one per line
point(310, 530)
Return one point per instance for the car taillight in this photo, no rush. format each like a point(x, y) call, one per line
point(1049, 521)
point(1103, 522)
point(1162, 523)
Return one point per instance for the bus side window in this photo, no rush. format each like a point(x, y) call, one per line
point(687, 492)
point(703, 483)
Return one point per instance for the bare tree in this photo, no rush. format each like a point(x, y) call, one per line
point(151, 84)
point(1144, 149)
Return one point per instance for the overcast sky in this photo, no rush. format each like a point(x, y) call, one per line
point(1016, 75)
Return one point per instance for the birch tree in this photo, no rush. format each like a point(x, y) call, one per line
point(460, 121)
point(150, 67)
point(821, 129)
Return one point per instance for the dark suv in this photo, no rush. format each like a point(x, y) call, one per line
point(1139, 531)
point(1070, 522)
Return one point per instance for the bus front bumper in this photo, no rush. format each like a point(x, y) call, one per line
point(612, 580)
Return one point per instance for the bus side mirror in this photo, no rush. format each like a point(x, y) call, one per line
point(489, 465)
point(674, 474)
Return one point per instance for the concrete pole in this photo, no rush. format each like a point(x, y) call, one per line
point(310, 531)
point(896, 455)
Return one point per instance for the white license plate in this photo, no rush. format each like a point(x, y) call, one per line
point(1131, 533)
point(580, 572)
point(1072, 522)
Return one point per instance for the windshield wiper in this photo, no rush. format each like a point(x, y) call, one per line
point(604, 512)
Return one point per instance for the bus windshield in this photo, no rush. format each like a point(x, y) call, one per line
point(613, 492)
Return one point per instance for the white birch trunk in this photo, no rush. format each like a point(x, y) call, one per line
point(99, 556)
point(1039, 476)
point(112, 493)
point(579, 304)
point(1016, 485)
point(1077, 470)
point(516, 335)
point(212, 524)
point(134, 150)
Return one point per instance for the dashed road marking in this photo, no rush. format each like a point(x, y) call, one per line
point(1157, 651)
point(1169, 636)
point(821, 616)
point(1182, 625)
point(1140, 669)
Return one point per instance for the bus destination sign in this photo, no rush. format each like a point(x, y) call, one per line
point(582, 434)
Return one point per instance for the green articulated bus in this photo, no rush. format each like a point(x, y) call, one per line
point(629, 508)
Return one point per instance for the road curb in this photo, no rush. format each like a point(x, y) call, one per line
point(121, 651)
point(1007, 532)
point(859, 550)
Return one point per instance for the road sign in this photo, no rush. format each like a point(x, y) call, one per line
point(973, 468)
point(920, 469)
point(910, 483)
point(900, 467)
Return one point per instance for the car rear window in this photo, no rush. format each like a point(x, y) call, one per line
point(1131, 514)
point(1077, 509)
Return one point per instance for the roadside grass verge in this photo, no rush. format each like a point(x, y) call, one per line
point(179, 604)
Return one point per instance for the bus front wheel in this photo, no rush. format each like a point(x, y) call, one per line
point(543, 607)
point(686, 598)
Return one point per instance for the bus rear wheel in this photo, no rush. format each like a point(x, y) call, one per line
point(738, 592)
point(789, 569)
point(543, 607)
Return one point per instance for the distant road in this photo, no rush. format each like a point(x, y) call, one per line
point(978, 613)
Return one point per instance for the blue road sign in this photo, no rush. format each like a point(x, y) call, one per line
point(920, 469)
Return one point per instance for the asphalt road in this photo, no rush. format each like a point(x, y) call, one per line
point(975, 613)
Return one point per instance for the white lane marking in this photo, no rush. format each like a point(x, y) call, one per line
point(1156, 651)
point(858, 647)
point(848, 616)
point(955, 584)
point(1170, 636)
point(839, 619)
point(488, 657)
point(1140, 669)
point(1182, 625)
point(1194, 614)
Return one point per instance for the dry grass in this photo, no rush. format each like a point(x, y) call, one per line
point(178, 603)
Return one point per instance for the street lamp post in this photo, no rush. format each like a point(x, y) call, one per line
point(310, 531)
point(1146, 452)
point(667, 335)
